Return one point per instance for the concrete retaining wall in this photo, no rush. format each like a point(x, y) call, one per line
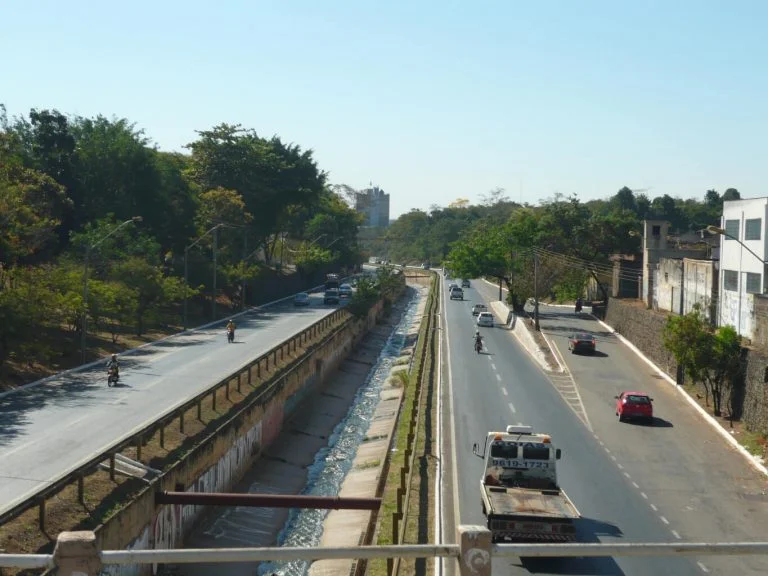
point(221, 460)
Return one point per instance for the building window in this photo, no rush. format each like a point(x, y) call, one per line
point(656, 230)
point(752, 228)
point(731, 229)
point(730, 280)
point(753, 283)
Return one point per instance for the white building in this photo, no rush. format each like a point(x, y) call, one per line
point(742, 274)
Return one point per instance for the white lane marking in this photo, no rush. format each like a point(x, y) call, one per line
point(644, 495)
point(607, 451)
point(498, 377)
point(596, 436)
point(703, 568)
point(493, 365)
point(504, 391)
point(601, 443)
point(452, 419)
point(620, 466)
point(664, 520)
point(635, 484)
point(653, 507)
point(512, 407)
point(613, 457)
point(627, 475)
point(675, 534)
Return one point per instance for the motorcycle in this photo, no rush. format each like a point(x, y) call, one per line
point(230, 336)
point(113, 376)
point(578, 307)
point(478, 345)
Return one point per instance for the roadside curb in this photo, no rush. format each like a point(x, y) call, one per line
point(517, 326)
point(751, 458)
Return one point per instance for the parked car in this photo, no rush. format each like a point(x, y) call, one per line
point(630, 405)
point(581, 342)
point(465, 283)
point(301, 299)
point(477, 308)
point(331, 296)
point(457, 294)
point(485, 319)
point(345, 291)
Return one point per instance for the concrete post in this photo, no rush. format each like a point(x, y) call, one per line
point(474, 550)
point(76, 554)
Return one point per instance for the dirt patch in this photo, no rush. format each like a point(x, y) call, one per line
point(104, 497)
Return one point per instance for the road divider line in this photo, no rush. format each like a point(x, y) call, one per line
point(635, 484)
point(512, 407)
point(676, 534)
point(644, 495)
point(493, 365)
point(504, 391)
point(664, 520)
point(653, 507)
point(627, 475)
point(703, 567)
point(498, 377)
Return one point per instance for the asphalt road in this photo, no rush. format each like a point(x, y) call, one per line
point(702, 486)
point(56, 426)
point(504, 386)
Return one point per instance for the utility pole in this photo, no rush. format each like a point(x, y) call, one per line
point(245, 281)
point(215, 246)
point(501, 296)
point(536, 292)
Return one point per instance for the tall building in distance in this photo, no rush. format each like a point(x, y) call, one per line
point(374, 204)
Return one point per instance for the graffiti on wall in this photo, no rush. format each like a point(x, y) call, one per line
point(173, 521)
point(141, 543)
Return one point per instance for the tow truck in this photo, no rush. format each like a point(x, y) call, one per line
point(521, 499)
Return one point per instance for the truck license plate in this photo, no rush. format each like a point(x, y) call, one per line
point(533, 527)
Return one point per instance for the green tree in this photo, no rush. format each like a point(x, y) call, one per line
point(271, 176)
point(711, 358)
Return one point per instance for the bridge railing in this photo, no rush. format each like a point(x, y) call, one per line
point(76, 553)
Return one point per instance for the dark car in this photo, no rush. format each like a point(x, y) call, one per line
point(465, 283)
point(631, 405)
point(331, 296)
point(581, 342)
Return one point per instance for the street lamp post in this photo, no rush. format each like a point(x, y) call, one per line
point(186, 270)
point(88, 248)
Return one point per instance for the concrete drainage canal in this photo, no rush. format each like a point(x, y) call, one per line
point(322, 471)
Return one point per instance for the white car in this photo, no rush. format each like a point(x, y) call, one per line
point(485, 319)
point(457, 294)
point(477, 308)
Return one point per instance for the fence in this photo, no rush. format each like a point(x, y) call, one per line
point(76, 553)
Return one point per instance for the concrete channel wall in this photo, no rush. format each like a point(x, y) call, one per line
point(221, 460)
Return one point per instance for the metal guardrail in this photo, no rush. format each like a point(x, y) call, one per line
point(77, 553)
point(78, 472)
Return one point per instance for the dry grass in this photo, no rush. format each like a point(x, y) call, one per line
point(104, 497)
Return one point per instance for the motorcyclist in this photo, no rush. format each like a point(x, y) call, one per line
point(231, 329)
point(478, 338)
point(113, 364)
point(579, 304)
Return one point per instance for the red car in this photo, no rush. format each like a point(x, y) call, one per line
point(634, 405)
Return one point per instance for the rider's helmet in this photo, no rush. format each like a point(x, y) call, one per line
point(114, 356)
point(477, 332)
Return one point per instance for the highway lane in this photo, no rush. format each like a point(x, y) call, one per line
point(503, 386)
point(707, 490)
point(55, 426)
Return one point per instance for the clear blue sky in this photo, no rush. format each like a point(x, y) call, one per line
point(431, 100)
